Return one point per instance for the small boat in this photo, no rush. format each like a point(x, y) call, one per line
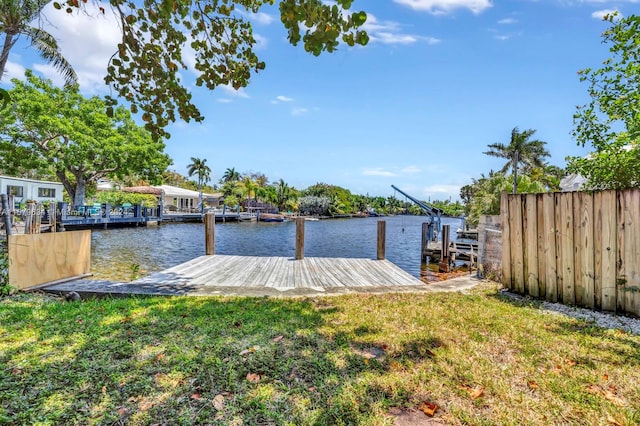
point(270, 217)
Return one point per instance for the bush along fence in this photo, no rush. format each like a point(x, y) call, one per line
point(577, 248)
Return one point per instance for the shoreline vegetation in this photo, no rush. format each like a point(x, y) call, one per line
point(477, 358)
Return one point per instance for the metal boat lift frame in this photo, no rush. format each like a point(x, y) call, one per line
point(434, 225)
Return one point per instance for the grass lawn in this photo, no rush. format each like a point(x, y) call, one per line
point(358, 359)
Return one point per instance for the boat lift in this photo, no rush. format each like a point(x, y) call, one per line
point(434, 224)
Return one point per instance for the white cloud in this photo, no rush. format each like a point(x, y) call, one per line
point(240, 93)
point(442, 7)
point(437, 191)
point(86, 40)
point(261, 42)
point(259, 17)
point(299, 111)
point(283, 98)
point(378, 171)
point(508, 21)
point(411, 169)
point(224, 100)
point(389, 32)
point(13, 70)
point(502, 37)
point(600, 14)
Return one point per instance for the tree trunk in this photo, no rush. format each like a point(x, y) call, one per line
point(9, 41)
point(71, 189)
point(81, 190)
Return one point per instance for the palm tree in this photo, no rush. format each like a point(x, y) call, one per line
point(15, 19)
point(199, 167)
point(521, 150)
point(230, 175)
point(282, 194)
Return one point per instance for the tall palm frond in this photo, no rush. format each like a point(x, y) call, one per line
point(15, 20)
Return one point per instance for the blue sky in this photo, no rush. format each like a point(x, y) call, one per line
point(439, 81)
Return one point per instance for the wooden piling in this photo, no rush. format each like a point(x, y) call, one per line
point(7, 213)
point(425, 242)
point(382, 239)
point(299, 238)
point(444, 259)
point(210, 233)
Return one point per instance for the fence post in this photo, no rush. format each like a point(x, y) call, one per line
point(299, 238)
point(210, 233)
point(382, 239)
point(444, 258)
point(7, 213)
point(425, 242)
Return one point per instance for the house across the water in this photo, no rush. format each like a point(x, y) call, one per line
point(24, 190)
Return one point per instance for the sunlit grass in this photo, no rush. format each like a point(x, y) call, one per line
point(480, 358)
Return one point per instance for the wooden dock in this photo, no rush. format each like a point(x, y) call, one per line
point(260, 276)
point(459, 251)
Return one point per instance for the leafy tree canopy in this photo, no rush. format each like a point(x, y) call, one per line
point(75, 138)
point(610, 122)
point(157, 35)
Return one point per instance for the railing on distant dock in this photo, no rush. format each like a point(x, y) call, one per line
point(105, 214)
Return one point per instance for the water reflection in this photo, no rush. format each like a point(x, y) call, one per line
point(114, 252)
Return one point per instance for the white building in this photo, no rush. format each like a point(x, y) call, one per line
point(24, 190)
point(186, 199)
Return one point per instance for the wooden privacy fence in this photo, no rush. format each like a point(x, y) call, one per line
point(576, 248)
point(36, 259)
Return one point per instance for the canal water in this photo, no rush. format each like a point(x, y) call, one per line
point(122, 253)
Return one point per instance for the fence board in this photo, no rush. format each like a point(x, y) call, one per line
point(517, 256)
point(567, 245)
point(40, 258)
point(578, 288)
point(531, 245)
point(559, 239)
point(587, 251)
point(549, 247)
point(542, 277)
point(631, 251)
point(620, 260)
point(506, 244)
point(606, 249)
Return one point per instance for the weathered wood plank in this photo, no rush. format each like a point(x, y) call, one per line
point(620, 257)
point(557, 197)
point(549, 247)
point(515, 216)
point(542, 266)
point(632, 251)
point(586, 247)
point(568, 279)
point(506, 240)
point(607, 249)
point(531, 245)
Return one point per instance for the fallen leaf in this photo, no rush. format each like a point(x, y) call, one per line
point(312, 389)
point(159, 356)
point(612, 397)
point(594, 389)
point(428, 352)
point(570, 362)
point(366, 361)
point(557, 369)
point(196, 396)
point(104, 390)
point(533, 385)
point(251, 350)
point(80, 320)
point(253, 378)
point(428, 408)
point(277, 339)
point(218, 402)
point(605, 377)
point(475, 392)
point(613, 421)
point(122, 411)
